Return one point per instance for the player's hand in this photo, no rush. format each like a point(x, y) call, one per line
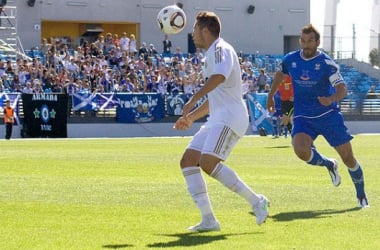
point(325, 101)
point(183, 123)
point(270, 105)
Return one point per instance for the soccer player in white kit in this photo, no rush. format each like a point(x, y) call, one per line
point(226, 124)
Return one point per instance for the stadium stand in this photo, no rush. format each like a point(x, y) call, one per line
point(355, 103)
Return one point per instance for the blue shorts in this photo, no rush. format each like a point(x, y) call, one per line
point(330, 126)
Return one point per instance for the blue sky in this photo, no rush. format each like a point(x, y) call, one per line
point(349, 12)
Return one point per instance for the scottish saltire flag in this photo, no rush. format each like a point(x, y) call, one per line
point(89, 101)
point(106, 101)
point(15, 100)
point(260, 116)
point(84, 101)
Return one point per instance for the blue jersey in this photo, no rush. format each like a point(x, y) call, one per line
point(311, 78)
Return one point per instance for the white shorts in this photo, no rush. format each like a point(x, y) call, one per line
point(217, 141)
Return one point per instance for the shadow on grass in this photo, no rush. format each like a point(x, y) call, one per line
point(289, 216)
point(287, 146)
point(190, 239)
point(117, 246)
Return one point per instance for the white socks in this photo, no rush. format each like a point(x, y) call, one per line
point(196, 186)
point(231, 180)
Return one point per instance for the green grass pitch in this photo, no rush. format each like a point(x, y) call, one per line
point(130, 194)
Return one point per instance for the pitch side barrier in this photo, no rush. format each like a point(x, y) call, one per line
point(46, 114)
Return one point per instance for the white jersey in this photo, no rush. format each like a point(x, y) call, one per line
point(226, 103)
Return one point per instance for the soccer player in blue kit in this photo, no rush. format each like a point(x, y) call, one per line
point(318, 86)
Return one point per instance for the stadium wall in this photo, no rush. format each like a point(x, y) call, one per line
point(120, 130)
point(262, 29)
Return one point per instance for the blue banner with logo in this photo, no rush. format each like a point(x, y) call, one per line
point(139, 108)
point(175, 103)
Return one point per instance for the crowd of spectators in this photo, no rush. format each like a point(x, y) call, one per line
point(112, 64)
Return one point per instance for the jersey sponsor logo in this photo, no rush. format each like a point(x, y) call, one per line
point(305, 75)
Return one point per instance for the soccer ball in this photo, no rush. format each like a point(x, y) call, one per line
point(171, 19)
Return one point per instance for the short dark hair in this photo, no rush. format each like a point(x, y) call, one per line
point(307, 29)
point(210, 20)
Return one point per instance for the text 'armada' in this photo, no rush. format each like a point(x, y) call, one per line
point(44, 97)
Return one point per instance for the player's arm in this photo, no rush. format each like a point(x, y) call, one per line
point(278, 77)
point(185, 122)
point(211, 83)
point(340, 93)
point(337, 81)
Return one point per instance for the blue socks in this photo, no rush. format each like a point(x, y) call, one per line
point(319, 160)
point(355, 173)
point(358, 180)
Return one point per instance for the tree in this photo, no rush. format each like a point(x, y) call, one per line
point(374, 57)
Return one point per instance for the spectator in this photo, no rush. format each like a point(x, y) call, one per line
point(100, 43)
point(116, 40)
point(152, 52)
point(2, 87)
point(37, 88)
point(109, 45)
point(2, 68)
point(132, 46)
point(247, 64)
point(124, 43)
point(262, 80)
point(126, 85)
point(9, 68)
point(178, 54)
point(371, 94)
point(45, 47)
point(28, 88)
point(93, 50)
point(143, 51)
point(167, 46)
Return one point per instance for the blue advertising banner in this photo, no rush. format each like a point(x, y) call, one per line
point(175, 104)
point(260, 116)
point(138, 108)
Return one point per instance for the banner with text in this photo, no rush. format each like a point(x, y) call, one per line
point(138, 108)
point(45, 115)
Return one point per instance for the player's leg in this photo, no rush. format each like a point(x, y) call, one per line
point(8, 131)
point(355, 171)
point(219, 145)
point(196, 184)
point(303, 137)
point(275, 132)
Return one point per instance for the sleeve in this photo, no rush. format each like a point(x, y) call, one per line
point(283, 66)
point(223, 61)
point(335, 77)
